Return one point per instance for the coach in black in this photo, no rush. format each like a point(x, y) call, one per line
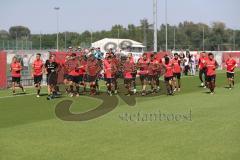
point(51, 67)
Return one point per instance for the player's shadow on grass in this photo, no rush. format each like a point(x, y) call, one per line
point(131, 100)
point(206, 92)
point(43, 94)
point(109, 103)
point(226, 87)
point(22, 93)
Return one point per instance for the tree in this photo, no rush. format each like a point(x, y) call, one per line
point(189, 35)
point(19, 32)
point(4, 34)
point(117, 31)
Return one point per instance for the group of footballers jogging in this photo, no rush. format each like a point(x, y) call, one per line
point(82, 70)
point(207, 70)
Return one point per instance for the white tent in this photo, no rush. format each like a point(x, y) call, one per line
point(123, 46)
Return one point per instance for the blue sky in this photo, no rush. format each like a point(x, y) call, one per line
point(81, 15)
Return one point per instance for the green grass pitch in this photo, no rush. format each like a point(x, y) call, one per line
point(30, 130)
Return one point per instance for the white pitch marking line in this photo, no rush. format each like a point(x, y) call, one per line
point(30, 94)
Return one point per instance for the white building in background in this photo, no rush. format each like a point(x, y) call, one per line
point(120, 46)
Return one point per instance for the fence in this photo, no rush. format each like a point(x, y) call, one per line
point(15, 45)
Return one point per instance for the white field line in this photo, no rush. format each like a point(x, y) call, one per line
point(21, 95)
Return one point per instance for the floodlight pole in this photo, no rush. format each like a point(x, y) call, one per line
point(174, 36)
point(166, 38)
point(57, 9)
point(155, 24)
point(3, 45)
point(203, 39)
point(16, 41)
point(40, 45)
point(65, 40)
point(234, 41)
point(26, 42)
point(91, 38)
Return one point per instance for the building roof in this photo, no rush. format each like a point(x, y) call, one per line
point(117, 41)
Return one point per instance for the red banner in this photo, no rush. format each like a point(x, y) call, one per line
point(3, 70)
point(159, 55)
point(60, 58)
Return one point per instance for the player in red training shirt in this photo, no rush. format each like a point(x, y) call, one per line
point(82, 71)
point(37, 73)
point(116, 63)
point(211, 65)
point(15, 69)
point(176, 72)
point(231, 64)
point(142, 64)
point(134, 74)
point(128, 71)
point(73, 75)
point(65, 70)
point(92, 69)
point(168, 75)
point(152, 73)
point(110, 69)
point(202, 69)
point(159, 71)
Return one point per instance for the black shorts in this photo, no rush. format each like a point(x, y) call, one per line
point(37, 79)
point(81, 79)
point(186, 68)
point(114, 78)
point(118, 74)
point(156, 77)
point(75, 79)
point(167, 79)
point(109, 80)
point(85, 78)
point(152, 77)
point(203, 71)
point(16, 79)
point(143, 77)
point(90, 78)
point(177, 75)
point(134, 74)
point(66, 76)
point(52, 78)
point(128, 80)
point(230, 75)
point(211, 78)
